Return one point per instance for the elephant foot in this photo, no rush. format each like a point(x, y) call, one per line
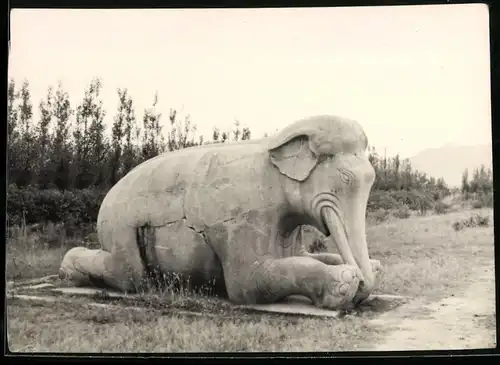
point(362, 293)
point(341, 288)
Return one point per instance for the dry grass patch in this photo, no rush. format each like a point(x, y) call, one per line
point(29, 257)
point(426, 257)
point(77, 328)
point(36, 251)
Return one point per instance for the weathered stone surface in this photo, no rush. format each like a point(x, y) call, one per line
point(91, 292)
point(234, 214)
point(39, 286)
point(44, 279)
point(293, 305)
point(297, 308)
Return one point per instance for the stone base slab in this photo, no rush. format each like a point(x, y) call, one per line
point(297, 305)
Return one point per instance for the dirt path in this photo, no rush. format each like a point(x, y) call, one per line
point(465, 321)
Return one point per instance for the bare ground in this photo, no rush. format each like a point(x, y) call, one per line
point(458, 322)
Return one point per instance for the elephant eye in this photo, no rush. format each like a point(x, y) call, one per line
point(345, 176)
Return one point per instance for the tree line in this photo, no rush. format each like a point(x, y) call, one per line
point(395, 174)
point(479, 185)
point(68, 149)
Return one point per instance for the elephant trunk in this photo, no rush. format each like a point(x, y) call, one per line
point(357, 239)
point(350, 237)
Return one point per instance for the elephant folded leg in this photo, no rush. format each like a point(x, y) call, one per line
point(121, 269)
point(326, 258)
point(327, 286)
point(335, 259)
point(306, 238)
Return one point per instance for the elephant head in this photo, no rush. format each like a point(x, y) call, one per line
point(327, 179)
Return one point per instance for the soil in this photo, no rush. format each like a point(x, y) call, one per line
point(465, 321)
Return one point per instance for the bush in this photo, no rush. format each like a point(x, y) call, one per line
point(478, 200)
point(414, 200)
point(441, 208)
point(380, 215)
point(32, 205)
point(473, 221)
point(381, 200)
point(482, 220)
point(403, 212)
point(484, 200)
point(477, 204)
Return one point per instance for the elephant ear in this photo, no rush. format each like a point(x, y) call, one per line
point(293, 156)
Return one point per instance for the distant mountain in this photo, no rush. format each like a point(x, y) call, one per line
point(450, 161)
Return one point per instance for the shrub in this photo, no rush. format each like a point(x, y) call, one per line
point(381, 200)
point(483, 200)
point(403, 212)
point(414, 200)
point(473, 221)
point(477, 204)
point(457, 226)
point(441, 208)
point(380, 215)
point(478, 200)
point(482, 221)
point(71, 207)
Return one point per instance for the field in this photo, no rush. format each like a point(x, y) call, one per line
point(447, 272)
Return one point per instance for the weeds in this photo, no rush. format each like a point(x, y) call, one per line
point(477, 220)
point(402, 212)
point(483, 201)
point(441, 208)
point(379, 216)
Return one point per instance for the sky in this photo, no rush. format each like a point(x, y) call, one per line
point(415, 77)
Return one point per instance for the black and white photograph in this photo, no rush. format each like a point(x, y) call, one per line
point(238, 180)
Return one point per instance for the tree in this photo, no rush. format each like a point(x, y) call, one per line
point(25, 153)
point(12, 132)
point(117, 138)
point(43, 141)
point(474, 183)
point(181, 133)
point(215, 135)
point(12, 112)
point(61, 154)
point(396, 172)
point(236, 131)
point(153, 142)
point(481, 182)
point(131, 135)
point(98, 141)
point(91, 145)
point(246, 134)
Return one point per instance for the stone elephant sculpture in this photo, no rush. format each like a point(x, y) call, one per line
point(233, 215)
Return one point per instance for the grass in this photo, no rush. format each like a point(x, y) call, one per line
point(490, 322)
point(34, 253)
point(70, 328)
point(423, 257)
point(426, 257)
